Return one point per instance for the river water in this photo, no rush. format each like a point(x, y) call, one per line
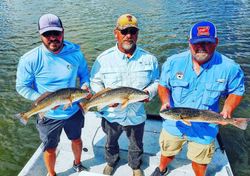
point(164, 31)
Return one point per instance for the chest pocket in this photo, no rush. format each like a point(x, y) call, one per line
point(212, 93)
point(179, 90)
point(142, 76)
point(112, 78)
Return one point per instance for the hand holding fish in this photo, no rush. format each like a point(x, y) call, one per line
point(165, 106)
point(147, 99)
point(226, 114)
point(85, 87)
point(231, 103)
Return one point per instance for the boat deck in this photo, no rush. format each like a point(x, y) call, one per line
point(93, 155)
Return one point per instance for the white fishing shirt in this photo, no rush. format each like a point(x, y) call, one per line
point(113, 69)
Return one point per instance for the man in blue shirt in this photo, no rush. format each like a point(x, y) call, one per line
point(54, 65)
point(125, 64)
point(197, 79)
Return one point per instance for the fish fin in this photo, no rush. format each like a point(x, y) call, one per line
point(241, 123)
point(22, 117)
point(124, 103)
point(100, 92)
point(186, 122)
point(70, 101)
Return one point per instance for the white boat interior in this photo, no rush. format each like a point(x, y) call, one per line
point(93, 155)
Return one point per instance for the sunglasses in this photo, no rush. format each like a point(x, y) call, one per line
point(52, 33)
point(131, 31)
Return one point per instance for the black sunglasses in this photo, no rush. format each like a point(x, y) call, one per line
point(50, 33)
point(131, 31)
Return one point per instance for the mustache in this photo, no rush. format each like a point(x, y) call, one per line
point(129, 40)
point(201, 51)
point(54, 41)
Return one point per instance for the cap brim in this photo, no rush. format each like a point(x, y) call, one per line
point(127, 26)
point(199, 40)
point(41, 31)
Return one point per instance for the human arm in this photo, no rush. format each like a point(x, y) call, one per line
point(230, 105)
point(164, 86)
point(164, 95)
point(83, 73)
point(235, 91)
point(151, 89)
point(25, 80)
point(96, 78)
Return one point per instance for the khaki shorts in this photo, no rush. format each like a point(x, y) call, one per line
point(172, 145)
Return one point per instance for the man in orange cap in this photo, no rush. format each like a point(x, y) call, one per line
point(126, 64)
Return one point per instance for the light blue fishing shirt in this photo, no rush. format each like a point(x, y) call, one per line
point(113, 69)
point(40, 71)
point(218, 77)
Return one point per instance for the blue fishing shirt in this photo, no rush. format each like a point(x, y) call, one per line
point(40, 71)
point(113, 69)
point(218, 77)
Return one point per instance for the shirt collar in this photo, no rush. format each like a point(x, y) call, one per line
point(210, 62)
point(123, 55)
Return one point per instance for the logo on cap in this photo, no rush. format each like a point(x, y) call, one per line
point(203, 30)
point(129, 18)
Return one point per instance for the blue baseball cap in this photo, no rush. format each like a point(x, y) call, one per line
point(49, 22)
point(204, 31)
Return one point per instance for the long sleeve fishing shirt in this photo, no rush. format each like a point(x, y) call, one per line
point(113, 69)
point(40, 71)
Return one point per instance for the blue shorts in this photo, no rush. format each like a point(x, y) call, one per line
point(50, 129)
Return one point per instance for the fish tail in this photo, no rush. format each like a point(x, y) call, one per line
point(241, 123)
point(22, 117)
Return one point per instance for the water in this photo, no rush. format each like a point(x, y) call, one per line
point(164, 31)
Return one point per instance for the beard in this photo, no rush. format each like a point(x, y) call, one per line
point(201, 56)
point(128, 45)
point(54, 45)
